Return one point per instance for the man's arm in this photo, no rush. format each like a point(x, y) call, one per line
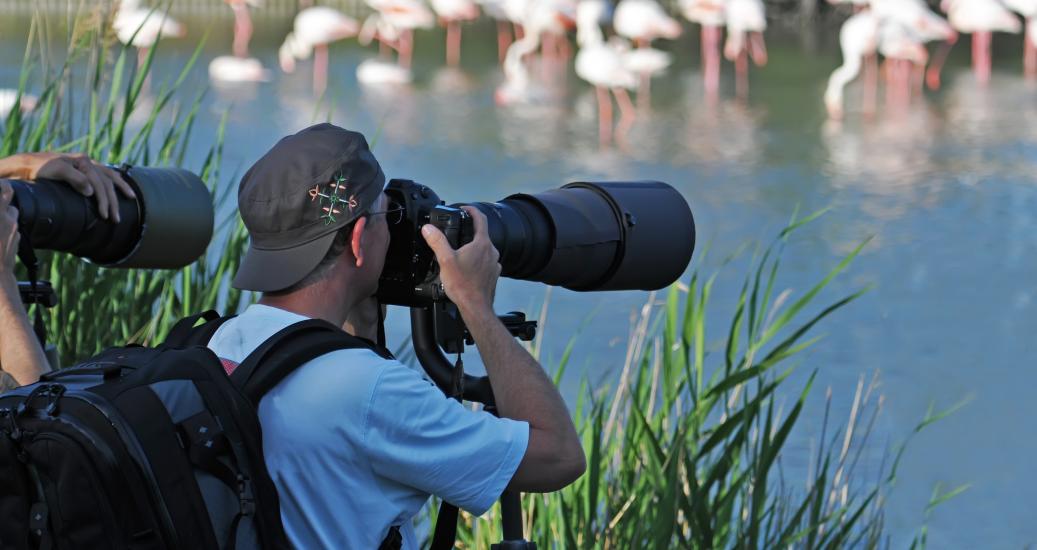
point(20, 353)
point(554, 457)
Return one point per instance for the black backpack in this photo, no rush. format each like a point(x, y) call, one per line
point(141, 448)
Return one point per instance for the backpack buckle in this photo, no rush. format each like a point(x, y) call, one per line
point(245, 495)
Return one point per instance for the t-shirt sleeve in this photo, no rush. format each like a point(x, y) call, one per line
point(417, 436)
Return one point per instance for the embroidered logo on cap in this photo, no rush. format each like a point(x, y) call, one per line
point(332, 199)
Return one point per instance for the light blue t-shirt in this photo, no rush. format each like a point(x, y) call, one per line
point(356, 443)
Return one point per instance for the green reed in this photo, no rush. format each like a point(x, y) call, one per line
point(98, 102)
point(685, 451)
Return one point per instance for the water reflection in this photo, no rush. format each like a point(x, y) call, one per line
point(722, 131)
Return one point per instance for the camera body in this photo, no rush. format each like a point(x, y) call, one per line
point(410, 272)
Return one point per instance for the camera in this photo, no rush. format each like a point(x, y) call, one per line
point(167, 226)
point(584, 236)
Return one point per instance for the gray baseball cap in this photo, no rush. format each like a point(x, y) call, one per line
point(297, 196)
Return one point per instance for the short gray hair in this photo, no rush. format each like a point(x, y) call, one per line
point(323, 269)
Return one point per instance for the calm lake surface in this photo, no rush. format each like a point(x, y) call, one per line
point(946, 188)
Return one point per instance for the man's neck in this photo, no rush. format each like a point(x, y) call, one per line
point(312, 303)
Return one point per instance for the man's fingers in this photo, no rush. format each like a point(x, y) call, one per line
point(437, 242)
point(99, 191)
point(478, 220)
point(117, 178)
point(62, 170)
point(109, 189)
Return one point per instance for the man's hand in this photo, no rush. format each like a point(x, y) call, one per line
point(82, 174)
point(9, 235)
point(469, 274)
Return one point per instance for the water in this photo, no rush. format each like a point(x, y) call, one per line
point(946, 188)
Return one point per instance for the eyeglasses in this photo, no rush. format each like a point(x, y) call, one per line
point(393, 215)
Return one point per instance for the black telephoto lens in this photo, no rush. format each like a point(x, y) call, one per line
point(168, 226)
point(594, 235)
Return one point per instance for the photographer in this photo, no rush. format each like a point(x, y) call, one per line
point(355, 442)
point(21, 359)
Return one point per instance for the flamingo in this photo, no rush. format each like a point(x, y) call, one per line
point(142, 28)
point(402, 17)
point(925, 26)
point(643, 21)
point(902, 49)
point(858, 39)
point(1027, 9)
point(497, 10)
point(239, 67)
point(10, 98)
point(517, 88)
point(602, 66)
point(375, 72)
point(452, 13)
point(981, 18)
point(552, 20)
point(746, 21)
point(313, 30)
point(711, 14)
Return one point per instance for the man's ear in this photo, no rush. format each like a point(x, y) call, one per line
point(356, 240)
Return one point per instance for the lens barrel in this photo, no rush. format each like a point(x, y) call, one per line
point(590, 236)
point(168, 226)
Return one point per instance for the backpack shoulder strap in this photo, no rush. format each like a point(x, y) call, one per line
point(184, 333)
point(289, 349)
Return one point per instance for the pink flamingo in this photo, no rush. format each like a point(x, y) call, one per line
point(903, 50)
point(711, 15)
point(980, 18)
point(314, 29)
point(239, 67)
point(602, 66)
point(858, 39)
point(1027, 9)
point(143, 27)
point(451, 13)
point(924, 25)
point(746, 21)
point(643, 21)
point(403, 16)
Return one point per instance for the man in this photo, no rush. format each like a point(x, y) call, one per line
point(21, 359)
point(355, 443)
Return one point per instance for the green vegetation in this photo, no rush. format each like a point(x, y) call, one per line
point(685, 451)
point(96, 306)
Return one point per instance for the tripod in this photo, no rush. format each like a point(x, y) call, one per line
point(438, 328)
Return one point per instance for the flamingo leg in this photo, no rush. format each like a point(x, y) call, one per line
point(742, 74)
point(644, 91)
point(711, 59)
point(453, 43)
point(932, 75)
point(320, 68)
point(503, 40)
point(242, 30)
point(871, 84)
point(626, 111)
point(981, 56)
point(406, 49)
point(1029, 52)
point(758, 48)
point(604, 115)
